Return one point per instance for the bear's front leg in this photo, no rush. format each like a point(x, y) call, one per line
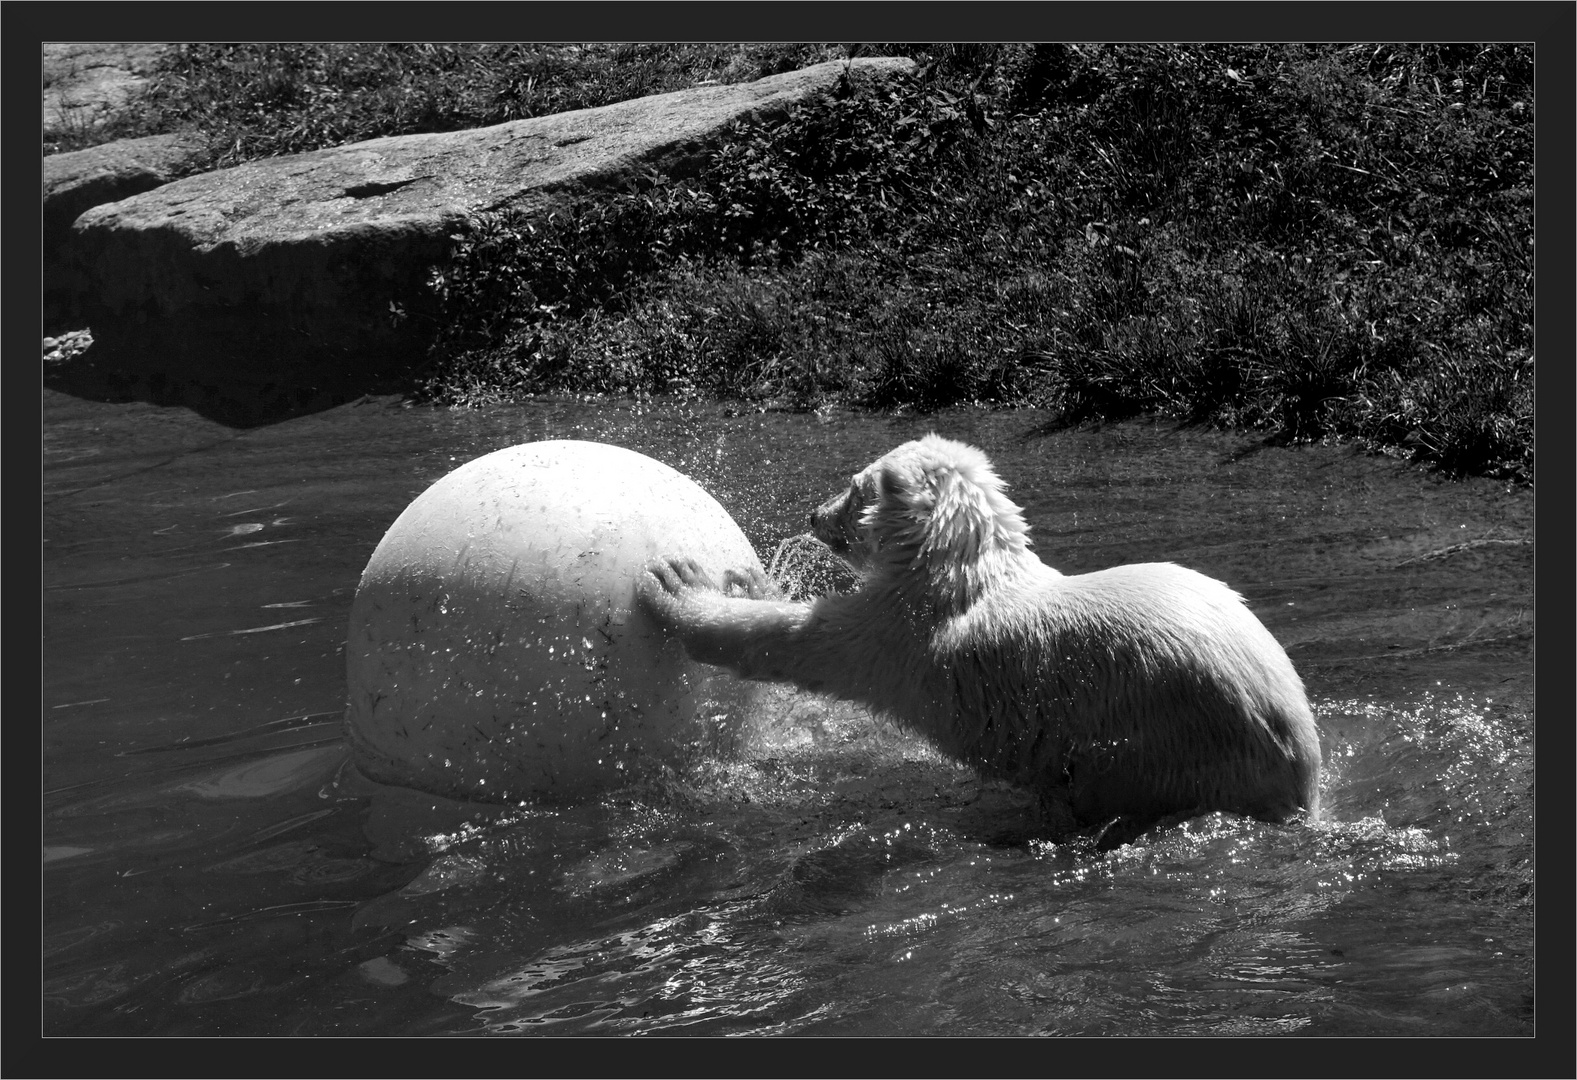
point(733, 631)
point(674, 593)
point(670, 585)
point(751, 583)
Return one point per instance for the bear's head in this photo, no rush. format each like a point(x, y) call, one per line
point(933, 511)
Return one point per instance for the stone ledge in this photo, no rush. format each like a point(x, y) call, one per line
point(287, 273)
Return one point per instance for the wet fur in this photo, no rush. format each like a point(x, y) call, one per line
point(1124, 697)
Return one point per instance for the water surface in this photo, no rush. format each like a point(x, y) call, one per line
point(212, 866)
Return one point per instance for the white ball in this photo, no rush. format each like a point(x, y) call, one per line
point(495, 651)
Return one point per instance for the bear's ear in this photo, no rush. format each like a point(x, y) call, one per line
point(961, 522)
point(896, 508)
point(927, 511)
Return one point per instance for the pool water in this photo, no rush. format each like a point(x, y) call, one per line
point(214, 865)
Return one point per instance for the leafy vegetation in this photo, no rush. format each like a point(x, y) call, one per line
point(1313, 241)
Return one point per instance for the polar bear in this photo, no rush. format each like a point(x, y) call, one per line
point(1124, 697)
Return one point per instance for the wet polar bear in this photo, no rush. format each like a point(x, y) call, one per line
point(1123, 697)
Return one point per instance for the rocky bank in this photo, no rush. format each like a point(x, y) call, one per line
point(291, 284)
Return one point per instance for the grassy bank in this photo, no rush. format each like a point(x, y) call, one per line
point(1315, 242)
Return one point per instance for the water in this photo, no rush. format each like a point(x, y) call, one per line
point(212, 866)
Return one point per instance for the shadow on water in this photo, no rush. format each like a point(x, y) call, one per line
point(214, 865)
point(235, 402)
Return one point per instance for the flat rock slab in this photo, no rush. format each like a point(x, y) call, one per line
point(82, 179)
point(302, 278)
point(77, 181)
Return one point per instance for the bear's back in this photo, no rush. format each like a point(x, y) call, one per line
point(1163, 688)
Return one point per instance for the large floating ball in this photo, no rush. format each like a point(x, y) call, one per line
point(495, 651)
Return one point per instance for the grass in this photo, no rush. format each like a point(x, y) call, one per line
point(1329, 242)
point(251, 101)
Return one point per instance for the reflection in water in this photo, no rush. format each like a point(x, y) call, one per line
point(214, 866)
point(270, 776)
